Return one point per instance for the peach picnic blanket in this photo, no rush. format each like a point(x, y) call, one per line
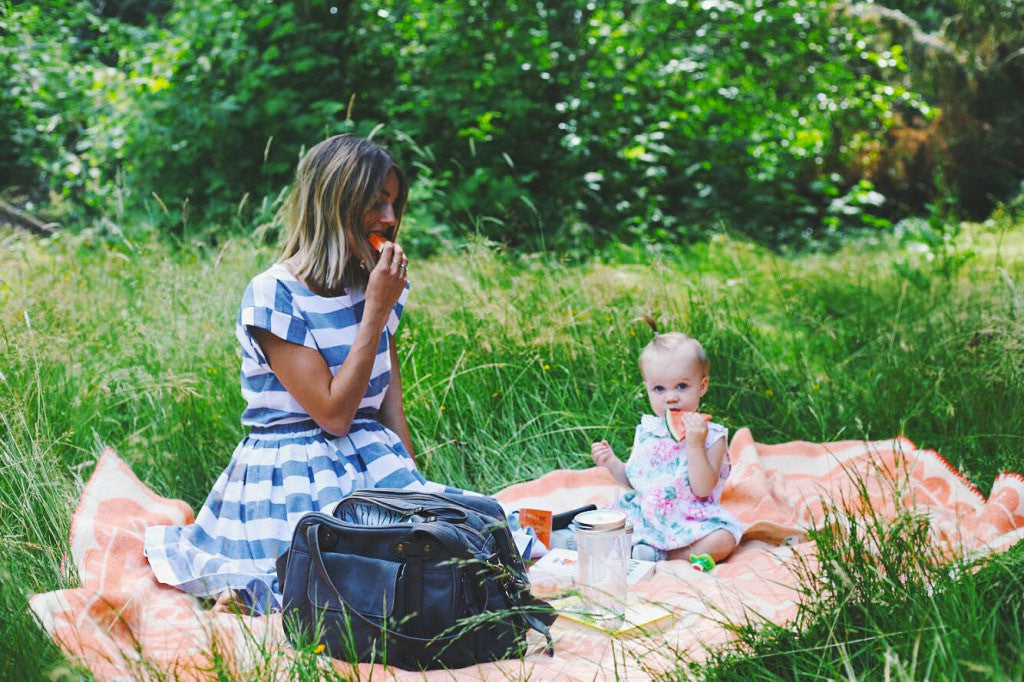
point(122, 624)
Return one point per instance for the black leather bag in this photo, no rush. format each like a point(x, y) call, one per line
point(413, 580)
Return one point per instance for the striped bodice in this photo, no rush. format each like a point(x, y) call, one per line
point(276, 301)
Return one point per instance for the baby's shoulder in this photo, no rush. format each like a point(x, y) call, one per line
point(716, 432)
point(651, 427)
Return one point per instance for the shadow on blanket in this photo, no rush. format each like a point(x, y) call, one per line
point(121, 623)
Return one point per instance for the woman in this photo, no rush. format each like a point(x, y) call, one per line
point(319, 375)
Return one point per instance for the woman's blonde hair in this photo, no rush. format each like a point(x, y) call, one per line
point(673, 341)
point(336, 184)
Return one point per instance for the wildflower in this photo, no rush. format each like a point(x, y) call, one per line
point(768, 393)
point(496, 394)
point(632, 333)
point(318, 649)
point(547, 367)
point(442, 409)
point(815, 386)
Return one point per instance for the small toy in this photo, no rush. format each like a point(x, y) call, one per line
point(702, 563)
point(674, 420)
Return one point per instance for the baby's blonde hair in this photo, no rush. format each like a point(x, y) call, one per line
point(336, 183)
point(679, 342)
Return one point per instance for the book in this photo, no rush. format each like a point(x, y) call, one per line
point(640, 618)
point(561, 567)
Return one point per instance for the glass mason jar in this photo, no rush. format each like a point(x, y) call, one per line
point(603, 541)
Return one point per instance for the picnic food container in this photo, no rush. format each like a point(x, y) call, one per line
point(603, 541)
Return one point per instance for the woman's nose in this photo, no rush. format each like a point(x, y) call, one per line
point(387, 216)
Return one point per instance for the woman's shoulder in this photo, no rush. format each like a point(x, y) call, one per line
point(278, 289)
point(275, 275)
point(272, 288)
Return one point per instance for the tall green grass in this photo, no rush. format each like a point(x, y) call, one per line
point(512, 364)
point(882, 603)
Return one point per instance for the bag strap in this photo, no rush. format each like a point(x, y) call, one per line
point(453, 543)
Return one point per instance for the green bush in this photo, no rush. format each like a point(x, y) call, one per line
point(541, 123)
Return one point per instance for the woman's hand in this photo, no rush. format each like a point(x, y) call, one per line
point(387, 280)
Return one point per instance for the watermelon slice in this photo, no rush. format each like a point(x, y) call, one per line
point(674, 420)
point(377, 240)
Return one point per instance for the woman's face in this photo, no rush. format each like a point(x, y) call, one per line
point(382, 216)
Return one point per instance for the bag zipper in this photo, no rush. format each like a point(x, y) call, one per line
point(403, 511)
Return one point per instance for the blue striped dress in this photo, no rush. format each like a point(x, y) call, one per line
point(287, 465)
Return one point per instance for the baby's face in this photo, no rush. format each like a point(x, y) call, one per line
point(674, 382)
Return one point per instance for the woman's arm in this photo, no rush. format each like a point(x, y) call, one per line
point(392, 409)
point(332, 400)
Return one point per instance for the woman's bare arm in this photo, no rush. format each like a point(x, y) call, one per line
point(331, 400)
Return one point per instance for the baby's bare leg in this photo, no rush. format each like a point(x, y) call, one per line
point(718, 544)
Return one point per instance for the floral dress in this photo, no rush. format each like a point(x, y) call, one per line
point(663, 508)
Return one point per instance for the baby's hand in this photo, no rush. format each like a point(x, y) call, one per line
point(696, 429)
point(602, 453)
point(603, 456)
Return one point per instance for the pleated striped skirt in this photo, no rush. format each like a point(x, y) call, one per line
point(276, 475)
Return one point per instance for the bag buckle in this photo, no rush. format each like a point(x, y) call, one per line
point(326, 538)
point(414, 549)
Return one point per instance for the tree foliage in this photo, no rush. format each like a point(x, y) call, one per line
point(551, 121)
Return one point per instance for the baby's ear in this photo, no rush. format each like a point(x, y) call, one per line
point(704, 384)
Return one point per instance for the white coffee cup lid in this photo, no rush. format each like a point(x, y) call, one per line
point(600, 520)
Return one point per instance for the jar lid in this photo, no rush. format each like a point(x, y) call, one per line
point(600, 520)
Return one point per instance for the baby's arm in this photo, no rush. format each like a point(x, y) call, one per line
point(704, 466)
point(603, 456)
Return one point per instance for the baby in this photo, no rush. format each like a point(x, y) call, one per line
point(675, 505)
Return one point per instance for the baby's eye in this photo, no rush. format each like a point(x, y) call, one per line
point(658, 388)
point(681, 387)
